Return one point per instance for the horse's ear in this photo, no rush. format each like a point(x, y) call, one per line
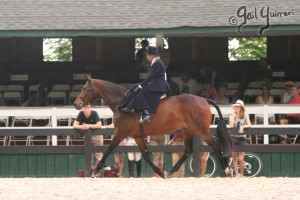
point(88, 77)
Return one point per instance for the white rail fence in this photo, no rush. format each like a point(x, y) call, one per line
point(56, 113)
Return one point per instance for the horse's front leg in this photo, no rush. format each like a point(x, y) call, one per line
point(188, 143)
point(114, 143)
point(145, 152)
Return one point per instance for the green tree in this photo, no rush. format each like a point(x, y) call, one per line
point(58, 49)
point(247, 48)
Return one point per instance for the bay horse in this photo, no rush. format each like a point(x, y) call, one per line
point(188, 112)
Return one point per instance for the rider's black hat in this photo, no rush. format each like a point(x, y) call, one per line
point(152, 50)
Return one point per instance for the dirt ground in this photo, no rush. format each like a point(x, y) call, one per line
point(149, 188)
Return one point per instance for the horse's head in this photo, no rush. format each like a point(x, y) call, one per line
point(87, 94)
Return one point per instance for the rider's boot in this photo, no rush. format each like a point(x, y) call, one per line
point(146, 116)
point(131, 168)
point(139, 167)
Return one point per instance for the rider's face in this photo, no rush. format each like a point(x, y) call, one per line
point(150, 58)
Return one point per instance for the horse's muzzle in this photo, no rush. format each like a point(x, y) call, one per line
point(78, 106)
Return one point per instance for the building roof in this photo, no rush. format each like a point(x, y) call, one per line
point(122, 17)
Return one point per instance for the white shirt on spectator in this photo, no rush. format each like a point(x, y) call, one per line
point(191, 86)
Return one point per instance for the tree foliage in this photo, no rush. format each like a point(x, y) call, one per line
point(248, 48)
point(58, 49)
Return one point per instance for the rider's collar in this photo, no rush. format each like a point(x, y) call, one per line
point(154, 60)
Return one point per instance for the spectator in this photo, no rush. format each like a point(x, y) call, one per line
point(264, 99)
point(221, 98)
point(89, 119)
point(140, 56)
point(119, 159)
point(211, 77)
point(178, 140)
point(186, 84)
point(174, 90)
point(240, 120)
point(286, 99)
point(286, 96)
point(158, 157)
point(294, 99)
point(134, 158)
point(263, 72)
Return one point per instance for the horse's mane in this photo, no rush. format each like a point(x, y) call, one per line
point(114, 93)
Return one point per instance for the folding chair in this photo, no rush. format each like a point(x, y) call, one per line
point(255, 84)
point(233, 86)
point(20, 122)
point(3, 123)
point(73, 95)
point(39, 140)
point(77, 87)
point(12, 98)
point(16, 88)
point(251, 94)
point(230, 93)
point(34, 89)
point(56, 98)
point(62, 88)
point(2, 89)
point(277, 93)
point(294, 139)
point(278, 85)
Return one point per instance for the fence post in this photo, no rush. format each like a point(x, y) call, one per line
point(196, 156)
point(87, 153)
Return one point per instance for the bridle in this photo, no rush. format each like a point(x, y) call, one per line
point(89, 91)
point(92, 94)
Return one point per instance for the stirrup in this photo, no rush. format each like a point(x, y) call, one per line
point(148, 119)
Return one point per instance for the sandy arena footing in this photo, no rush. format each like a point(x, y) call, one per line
point(149, 188)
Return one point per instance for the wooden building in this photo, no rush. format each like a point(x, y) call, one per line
point(103, 36)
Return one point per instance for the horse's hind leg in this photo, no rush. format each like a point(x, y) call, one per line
point(222, 159)
point(188, 143)
point(145, 152)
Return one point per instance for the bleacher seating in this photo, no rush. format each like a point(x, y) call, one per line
point(250, 95)
point(255, 84)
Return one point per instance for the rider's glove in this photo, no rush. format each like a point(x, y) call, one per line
point(137, 89)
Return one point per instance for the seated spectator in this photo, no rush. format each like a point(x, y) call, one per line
point(221, 98)
point(293, 118)
point(186, 84)
point(286, 96)
point(264, 99)
point(211, 77)
point(174, 90)
point(263, 71)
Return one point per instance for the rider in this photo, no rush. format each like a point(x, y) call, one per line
point(145, 96)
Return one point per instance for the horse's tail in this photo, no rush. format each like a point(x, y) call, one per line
point(225, 139)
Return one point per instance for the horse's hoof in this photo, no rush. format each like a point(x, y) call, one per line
point(170, 175)
point(93, 175)
point(164, 174)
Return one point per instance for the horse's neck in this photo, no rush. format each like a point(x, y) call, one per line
point(111, 94)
